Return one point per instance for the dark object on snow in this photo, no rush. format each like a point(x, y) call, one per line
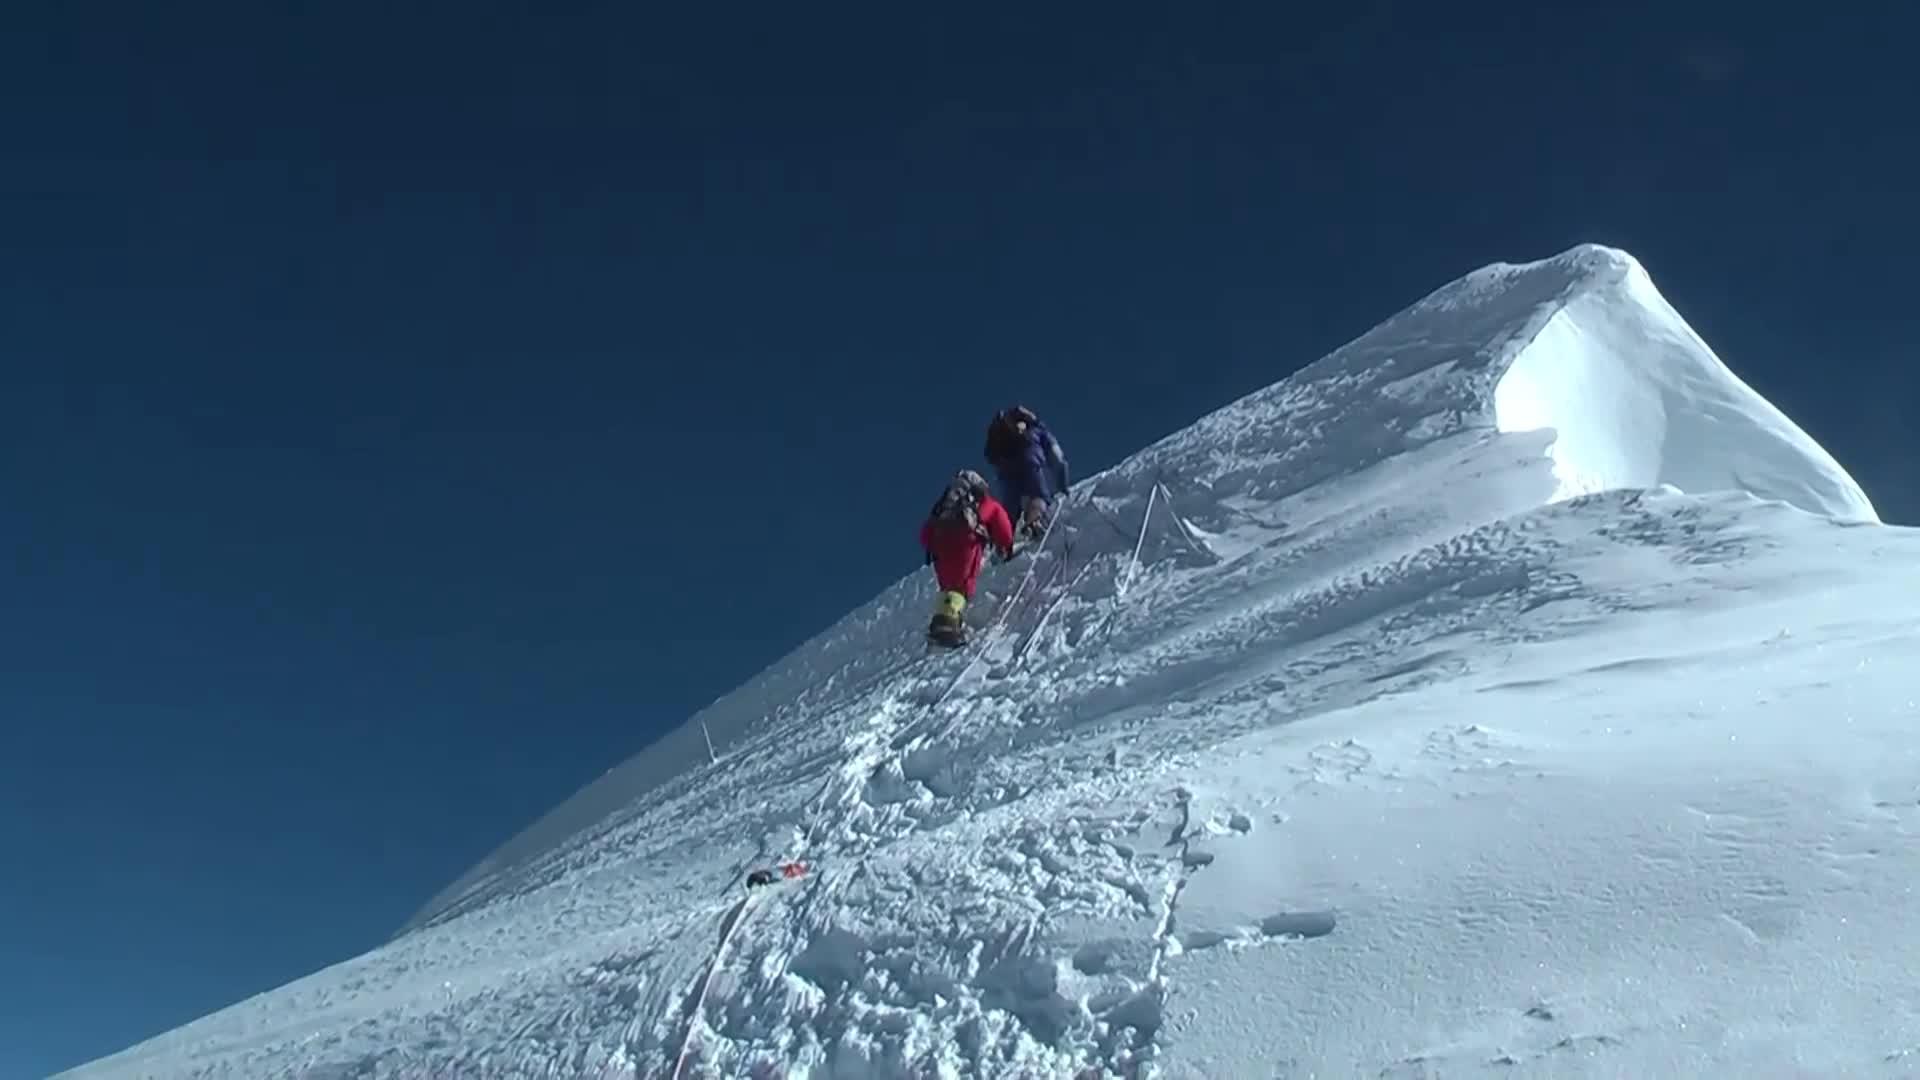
point(766, 877)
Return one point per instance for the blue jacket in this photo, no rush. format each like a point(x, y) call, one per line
point(1040, 468)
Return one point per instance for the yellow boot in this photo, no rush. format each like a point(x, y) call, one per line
point(949, 625)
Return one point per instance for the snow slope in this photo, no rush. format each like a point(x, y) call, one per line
point(1512, 691)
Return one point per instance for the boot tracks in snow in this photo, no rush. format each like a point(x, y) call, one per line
point(742, 912)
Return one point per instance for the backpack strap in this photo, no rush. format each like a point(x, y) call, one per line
point(959, 505)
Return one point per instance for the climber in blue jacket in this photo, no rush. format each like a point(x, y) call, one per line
point(1029, 464)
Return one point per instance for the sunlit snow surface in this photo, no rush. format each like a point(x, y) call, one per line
point(1386, 758)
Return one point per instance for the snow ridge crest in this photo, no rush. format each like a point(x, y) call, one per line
point(1254, 639)
point(1579, 349)
point(1542, 381)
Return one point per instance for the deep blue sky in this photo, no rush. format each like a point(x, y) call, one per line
point(411, 410)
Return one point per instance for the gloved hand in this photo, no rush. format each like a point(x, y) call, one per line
point(1006, 554)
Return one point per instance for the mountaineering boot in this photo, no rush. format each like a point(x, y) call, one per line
point(1033, 518)
point(948, 626)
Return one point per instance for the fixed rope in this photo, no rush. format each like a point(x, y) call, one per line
point(741, 912)
point(999, 623)
point(1133, 561)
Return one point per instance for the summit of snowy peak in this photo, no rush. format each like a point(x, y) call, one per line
point(1580, 348)
point(1637, 399)
point(1512, 686)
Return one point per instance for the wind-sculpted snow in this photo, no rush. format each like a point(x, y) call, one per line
point(1637, 399)
point(1510, 690)
point(1582, 346)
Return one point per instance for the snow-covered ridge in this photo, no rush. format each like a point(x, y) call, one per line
point(1579, 349)
point(1637, 400)
point(1388, 598)
point(1581, 345)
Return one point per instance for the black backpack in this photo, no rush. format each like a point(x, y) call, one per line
point(1005, 440)
point(958, 508)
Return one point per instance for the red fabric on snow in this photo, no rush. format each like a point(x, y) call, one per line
point(959, 553)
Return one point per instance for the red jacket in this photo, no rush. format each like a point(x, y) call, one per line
point(957, 554)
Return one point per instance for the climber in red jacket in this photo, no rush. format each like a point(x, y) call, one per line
point(955, 537)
